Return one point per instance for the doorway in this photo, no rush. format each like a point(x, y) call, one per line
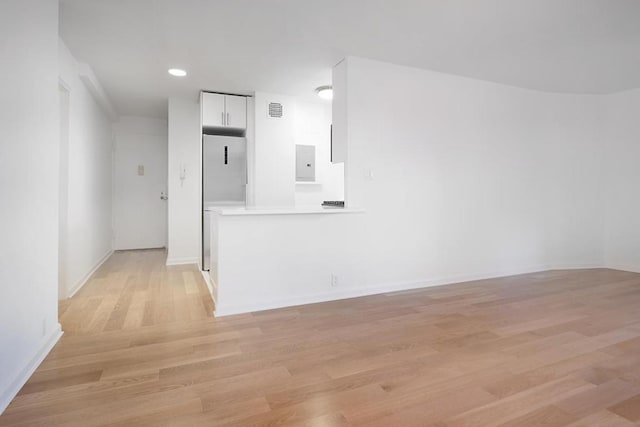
point(140, 184)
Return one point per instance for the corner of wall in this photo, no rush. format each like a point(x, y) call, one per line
point(184, 211)
point(14, 386)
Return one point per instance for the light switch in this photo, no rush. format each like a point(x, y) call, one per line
point(141, 170)
point(369, 175)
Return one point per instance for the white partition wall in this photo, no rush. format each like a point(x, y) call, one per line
point(459, 179)
point(185, 182)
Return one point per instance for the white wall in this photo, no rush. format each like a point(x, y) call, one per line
point(29, 189)
point(482, 179)
point(312, 126)
point(139, 215)
point(274, 153)
point(622, 129)
point(460, 179)
point(185, 196)
point(89, 193)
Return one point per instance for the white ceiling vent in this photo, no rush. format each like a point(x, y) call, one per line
point(274, 110)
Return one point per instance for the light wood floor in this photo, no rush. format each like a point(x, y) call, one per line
point(140, 348)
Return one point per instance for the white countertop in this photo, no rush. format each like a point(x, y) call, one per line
point(225, 204)
point(300, 210)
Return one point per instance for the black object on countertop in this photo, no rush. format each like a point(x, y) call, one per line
point(333, 203)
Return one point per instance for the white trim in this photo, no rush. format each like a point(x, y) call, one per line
point(586, 266)
point(87, 276)
point(624, 267)
point(181, 261)
point(367, 291)
point(62, 82)
point(7, 395)
point(207, 280)
point(210, 285)
point(398, 286)
point(302, 210)
point(138, 248)
point(88, 77)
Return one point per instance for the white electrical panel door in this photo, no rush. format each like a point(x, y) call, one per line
point(305, 163)
point(213, 113)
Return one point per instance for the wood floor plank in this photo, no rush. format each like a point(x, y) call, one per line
point(520, 404)
point(600, 397)
point(602, 418)
point(432, 408)
point(629, 408)
point(548, 416)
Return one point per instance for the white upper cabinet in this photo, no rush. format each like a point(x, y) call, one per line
point(224, 111)
point(236, 110)
point(213, 114)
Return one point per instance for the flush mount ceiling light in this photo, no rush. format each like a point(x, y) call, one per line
point(177, 72)
point(325, 92)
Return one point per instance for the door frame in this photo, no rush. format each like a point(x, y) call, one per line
point(64, 121)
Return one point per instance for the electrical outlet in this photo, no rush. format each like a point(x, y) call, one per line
point(334, 280)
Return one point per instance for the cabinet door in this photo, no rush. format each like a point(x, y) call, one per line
point(305, 163)
point(213, 114)
point(236, 110)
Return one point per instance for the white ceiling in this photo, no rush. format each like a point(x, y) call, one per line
point(289, 46)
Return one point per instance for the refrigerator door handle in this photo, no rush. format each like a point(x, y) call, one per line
point(226, 155)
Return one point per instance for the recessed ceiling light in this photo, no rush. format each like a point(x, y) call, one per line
point(325, 92)
point(177, 72)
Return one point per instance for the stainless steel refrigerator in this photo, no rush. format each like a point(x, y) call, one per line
point(224, 169)
point(224, 179)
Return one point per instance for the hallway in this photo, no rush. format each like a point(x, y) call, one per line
point(135, 289)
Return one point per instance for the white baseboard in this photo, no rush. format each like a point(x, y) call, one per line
point(608, 266)
point(365, 291)
point(138, 248)
point(182, 261)
point(7, 394)
point(211, 286)
point(587, 266)
point(87, 276)
point(624, 267)
point(207, 280)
